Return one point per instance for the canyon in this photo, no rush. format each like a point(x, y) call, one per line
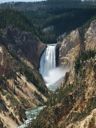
point(47, 66)
point(73, 103)
point(21, 85)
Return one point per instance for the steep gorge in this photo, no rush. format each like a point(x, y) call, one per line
point(73, 104)
point(21, 85)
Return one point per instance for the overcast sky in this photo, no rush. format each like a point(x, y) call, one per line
point(2, 1)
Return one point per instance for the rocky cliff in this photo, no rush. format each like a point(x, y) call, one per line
point(69, 48)
point(77, 41)
point(21, 85)
point(23, 44)
point(19, 36)
point(21, 88)
point(73, 104)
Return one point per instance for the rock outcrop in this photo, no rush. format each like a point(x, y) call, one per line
point(90, 36)
point(77, 41)
point(24, 44)
point(70, 47)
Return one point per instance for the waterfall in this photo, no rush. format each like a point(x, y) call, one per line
point(52, 75)
point(48, 60)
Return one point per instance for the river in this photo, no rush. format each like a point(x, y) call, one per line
point(30, 115)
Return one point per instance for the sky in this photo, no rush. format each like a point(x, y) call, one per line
point(2, 1)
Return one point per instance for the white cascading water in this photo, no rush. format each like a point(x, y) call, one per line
point(48, 60)
point(52, 75)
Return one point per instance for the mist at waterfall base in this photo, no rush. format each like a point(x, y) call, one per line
point(55, 77)
point(52, 75)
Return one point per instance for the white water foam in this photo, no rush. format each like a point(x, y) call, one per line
point(51, 74)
